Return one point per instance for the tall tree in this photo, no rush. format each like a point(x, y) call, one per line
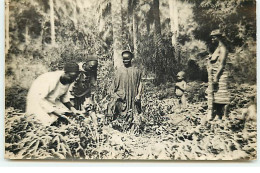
point(52, 22)
point(158, 43)
point(132, 15)
point(135, 33)
point(174, 20)
point(7, 42)
point(75, 12)
point(157, 23)
point(117, 32)
point(26, 35)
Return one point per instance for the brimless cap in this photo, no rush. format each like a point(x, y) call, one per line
point(215, 32)
point(127, 55)
point(71, 67)
point(181, 74)
point(91, 58)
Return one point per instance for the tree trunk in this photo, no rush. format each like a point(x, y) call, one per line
point(75, 14)
point(156, 13)
point(135, 33)
point(26, 35)
point(117, 32)
point(52, 22)
point(174, 26)
point(130, 23)
point(7, 41)
point(42, 37)
point(158, 66)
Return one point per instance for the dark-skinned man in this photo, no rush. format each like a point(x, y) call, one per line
point(126, 88)
point(83, 91)
point(48, 97)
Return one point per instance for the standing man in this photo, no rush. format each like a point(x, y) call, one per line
point(48, 97)
point(126, 89)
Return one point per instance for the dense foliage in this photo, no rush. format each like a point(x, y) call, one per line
point(162, 133)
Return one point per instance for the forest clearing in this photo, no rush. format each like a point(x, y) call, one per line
point(165, 37)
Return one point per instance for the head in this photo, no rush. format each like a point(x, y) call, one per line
point(215, 36)
point(180, 76)
point(127, 58)
point(91, 64)
point(71, 72)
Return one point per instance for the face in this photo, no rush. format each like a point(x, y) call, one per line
point(214, 39)
point(90, 66)
point(127, 63)
point(70, 76)
point(127, 58)
point(179, 78)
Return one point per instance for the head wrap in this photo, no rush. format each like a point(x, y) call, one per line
point(127, 52)
point(181, 74)
point(215, 32)
point(71, 67)
point(92, 58)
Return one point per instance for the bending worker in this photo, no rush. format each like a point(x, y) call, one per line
point(48, 97)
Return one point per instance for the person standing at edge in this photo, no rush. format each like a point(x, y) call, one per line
point(126, 89)
point(48, 96)
point(218, 93)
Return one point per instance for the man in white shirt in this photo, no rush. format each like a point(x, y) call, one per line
point(48, 97)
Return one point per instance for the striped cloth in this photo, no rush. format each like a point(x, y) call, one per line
point(221, 95)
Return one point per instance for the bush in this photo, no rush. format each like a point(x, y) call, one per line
point(22, 69)
point(196, 92)
point(16, 97)
point(242, 63)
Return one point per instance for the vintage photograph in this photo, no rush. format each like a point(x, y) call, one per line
point(130, 80)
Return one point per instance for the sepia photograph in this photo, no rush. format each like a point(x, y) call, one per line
point(128, 80)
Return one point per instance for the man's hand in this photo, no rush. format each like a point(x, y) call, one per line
point(59, 112)
point(209, 57)
point(138, 97)
point(75, 111)
point(215, 86)
point(216, 80)
point(94, 119)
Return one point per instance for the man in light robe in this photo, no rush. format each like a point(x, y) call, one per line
point(48, 98)
point(126, 88)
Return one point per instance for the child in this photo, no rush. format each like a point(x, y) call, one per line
point(180, 89)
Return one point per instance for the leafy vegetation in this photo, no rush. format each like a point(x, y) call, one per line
point(162, 133)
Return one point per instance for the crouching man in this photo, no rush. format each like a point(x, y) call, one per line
point(48, 98)
point(84, 88)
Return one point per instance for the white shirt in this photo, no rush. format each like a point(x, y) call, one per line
point(47, 94)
